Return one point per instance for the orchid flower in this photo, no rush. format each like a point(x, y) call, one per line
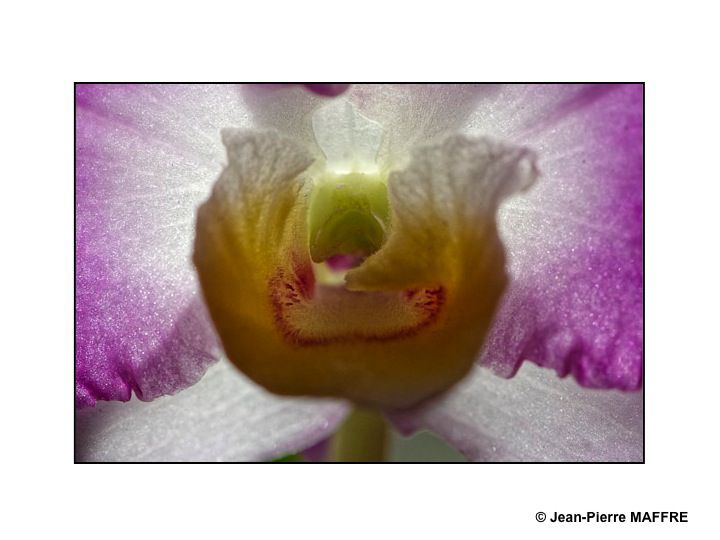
point(445, 254)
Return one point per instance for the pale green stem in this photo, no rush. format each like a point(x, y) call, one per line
point(363, 437)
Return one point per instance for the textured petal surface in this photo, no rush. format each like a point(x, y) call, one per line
point(286, 109)
point(224, 417)
point(575, 241)
point(349, 141)
point(146, 156)
point(416, 114)
point(533, 417)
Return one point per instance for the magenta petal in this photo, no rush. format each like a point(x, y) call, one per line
point(575, 241)
point(146, 156)
point(329, 90)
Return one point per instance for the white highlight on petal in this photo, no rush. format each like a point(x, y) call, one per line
point(534, 416)
point(349, 141)
point(224, 417)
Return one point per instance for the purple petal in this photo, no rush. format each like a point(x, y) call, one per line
point(146, 156)
point(328, 90)
point(533, 417)
point(224, 417)
point(574, 241)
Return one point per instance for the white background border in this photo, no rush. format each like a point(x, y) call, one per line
point(47, 47)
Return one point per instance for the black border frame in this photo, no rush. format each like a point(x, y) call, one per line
point(78, 83)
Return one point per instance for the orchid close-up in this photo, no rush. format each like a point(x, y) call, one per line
point(285, 269)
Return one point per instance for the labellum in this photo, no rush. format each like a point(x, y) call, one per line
point(341, 278)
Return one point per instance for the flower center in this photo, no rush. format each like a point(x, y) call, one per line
point(417, 265)
point(348, 216)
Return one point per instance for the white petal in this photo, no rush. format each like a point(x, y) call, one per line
point(415, 114)
point(224, 417)
point(349, 141)
point(534, 417)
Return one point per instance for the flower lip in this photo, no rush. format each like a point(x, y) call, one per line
point(407, 323)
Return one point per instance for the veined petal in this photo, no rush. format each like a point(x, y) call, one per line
point(574, 243)
point(417, 114)
point(533, 417)
point(287, 109)
point(146, 156)
point(349, 141)
point(413, 315)
point(224, 417)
